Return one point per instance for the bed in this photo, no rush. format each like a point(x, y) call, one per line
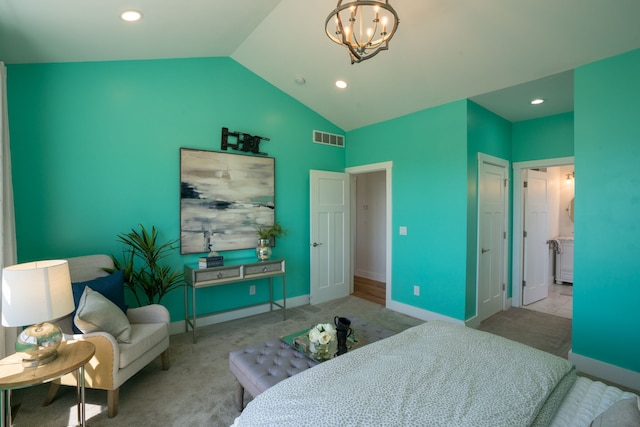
point(436, 374)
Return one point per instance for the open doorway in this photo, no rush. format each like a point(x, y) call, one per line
point(371, 231)
point(543, 256)
point(369, 267)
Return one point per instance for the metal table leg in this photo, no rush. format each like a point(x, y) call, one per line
point(80, 397)
point(284, 297)
point(186, 308)
point(270, 293)
point(5, 408)
point(193, 308)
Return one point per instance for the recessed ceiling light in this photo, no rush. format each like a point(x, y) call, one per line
point(537, 101)
point(341, 84)
point(131, 15)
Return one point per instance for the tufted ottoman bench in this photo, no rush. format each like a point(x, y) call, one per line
point(260, 366)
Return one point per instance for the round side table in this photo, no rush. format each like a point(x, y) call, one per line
point(72, 356)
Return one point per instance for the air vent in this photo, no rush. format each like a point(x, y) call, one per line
point(327, 138)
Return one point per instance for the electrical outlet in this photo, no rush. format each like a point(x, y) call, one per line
point(416, 290)
point(252, 290)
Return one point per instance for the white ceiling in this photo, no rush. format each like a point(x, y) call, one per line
point(444, 50)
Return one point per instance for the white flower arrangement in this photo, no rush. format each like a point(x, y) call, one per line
point(322, 333)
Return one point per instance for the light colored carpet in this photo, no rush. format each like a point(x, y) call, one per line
point(198, 389)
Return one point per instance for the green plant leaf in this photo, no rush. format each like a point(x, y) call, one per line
point(141, 262)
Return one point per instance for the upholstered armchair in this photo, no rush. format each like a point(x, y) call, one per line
point(114, 362)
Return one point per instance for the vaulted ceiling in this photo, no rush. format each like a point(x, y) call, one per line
point(499, 53)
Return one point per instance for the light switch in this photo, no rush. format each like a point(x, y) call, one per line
point(403, 231)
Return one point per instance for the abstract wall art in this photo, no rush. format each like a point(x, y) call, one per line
point(224, 198)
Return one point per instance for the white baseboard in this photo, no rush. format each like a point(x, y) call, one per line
point(474, 322)
point(420, 313)
point(371, 275)
point(606, 371)
point(179, 326)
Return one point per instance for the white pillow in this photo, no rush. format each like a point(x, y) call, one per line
point(624, 413)
point(97, 314)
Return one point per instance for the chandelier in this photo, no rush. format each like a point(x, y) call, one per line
point(364, 27)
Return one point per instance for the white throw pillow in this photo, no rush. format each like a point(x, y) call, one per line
point(97, 314)
point(624, 413)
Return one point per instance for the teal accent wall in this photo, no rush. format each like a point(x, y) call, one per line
point(489, 134)
point(607, 251)
point(95, 152)
point(548, 137)
point(429, 154)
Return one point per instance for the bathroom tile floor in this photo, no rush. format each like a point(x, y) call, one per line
point(559, 302)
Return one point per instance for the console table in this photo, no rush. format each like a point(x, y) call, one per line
point(234, 272)
point(71, 357)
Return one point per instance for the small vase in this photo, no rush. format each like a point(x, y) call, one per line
point(263, 250)
point(320, 350)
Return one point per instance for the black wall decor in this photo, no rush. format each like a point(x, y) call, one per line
point(244, 142)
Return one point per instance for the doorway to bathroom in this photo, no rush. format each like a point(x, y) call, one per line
point(543, 236)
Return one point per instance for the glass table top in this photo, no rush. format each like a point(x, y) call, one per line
point(300, 341)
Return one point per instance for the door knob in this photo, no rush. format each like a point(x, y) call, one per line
point(316, 244)
point(485, 250)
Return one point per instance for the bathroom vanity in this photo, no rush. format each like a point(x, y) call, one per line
point(564, 261)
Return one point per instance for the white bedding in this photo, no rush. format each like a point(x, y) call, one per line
point(585, 401)
point(435, 374)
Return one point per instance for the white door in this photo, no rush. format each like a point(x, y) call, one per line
point(535, 275)
point(492, 234)
point(330, 234)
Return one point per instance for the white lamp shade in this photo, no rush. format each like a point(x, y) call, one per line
point(36, 292)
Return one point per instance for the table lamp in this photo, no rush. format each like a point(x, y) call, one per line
point(32, 294)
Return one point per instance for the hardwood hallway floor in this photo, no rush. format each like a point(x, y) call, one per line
point(370, 290)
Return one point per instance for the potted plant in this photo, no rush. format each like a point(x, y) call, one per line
point(141, 263)
point(266, 239)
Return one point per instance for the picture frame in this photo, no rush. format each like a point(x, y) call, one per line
point(224, 198)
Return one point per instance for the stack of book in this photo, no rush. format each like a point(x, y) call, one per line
point(211, 261)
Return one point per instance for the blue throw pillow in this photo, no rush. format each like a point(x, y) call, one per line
point(112, 287)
